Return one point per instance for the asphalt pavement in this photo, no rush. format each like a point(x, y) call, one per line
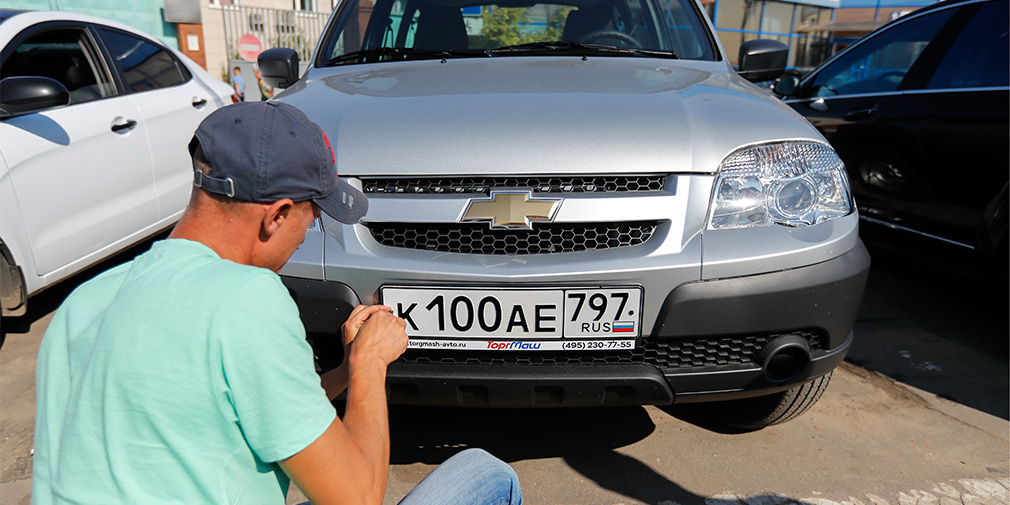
point(918, 414)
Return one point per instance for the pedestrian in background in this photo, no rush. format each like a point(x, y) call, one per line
point(238, 84)
point(265, 91)
point(184, 375)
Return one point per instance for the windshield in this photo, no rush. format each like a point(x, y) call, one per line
point(366, 31)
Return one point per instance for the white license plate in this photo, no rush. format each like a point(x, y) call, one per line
point(518, 319)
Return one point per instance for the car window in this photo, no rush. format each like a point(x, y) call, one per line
point(66, 54)
point(472, 28)
point(979, 55)
point(145, 66)
point(879, 63)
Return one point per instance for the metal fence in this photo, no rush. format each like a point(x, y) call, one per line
point(298, 30)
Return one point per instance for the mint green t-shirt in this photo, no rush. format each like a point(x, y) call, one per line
point(178, 377)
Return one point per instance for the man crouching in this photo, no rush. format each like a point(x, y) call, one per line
point(184, 375)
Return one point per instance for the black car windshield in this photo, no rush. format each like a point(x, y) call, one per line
point(367, 31)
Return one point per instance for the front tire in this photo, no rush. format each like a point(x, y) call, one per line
point(12, 287)
point(751, 414)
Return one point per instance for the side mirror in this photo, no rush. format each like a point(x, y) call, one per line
point(786, 85)
point(279, 67)
point(21, 95)
point(762, 60)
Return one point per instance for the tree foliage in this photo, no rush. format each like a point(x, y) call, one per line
point(556, 23)
point(507, 26)
point(504, 26)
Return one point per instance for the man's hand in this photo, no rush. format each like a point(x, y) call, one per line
point(335, 381)
point(378, 339)
point(357, 318)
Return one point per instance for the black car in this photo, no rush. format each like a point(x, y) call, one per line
point(918, 111)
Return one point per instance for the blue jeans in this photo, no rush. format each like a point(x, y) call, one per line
point(471, 477)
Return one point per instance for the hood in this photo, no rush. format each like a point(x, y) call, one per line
point(525, 115)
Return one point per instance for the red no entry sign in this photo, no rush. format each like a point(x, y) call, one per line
point(249, 47)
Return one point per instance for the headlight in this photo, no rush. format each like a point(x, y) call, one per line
point(787, 183)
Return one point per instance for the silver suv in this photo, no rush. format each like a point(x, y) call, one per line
point(576, 203)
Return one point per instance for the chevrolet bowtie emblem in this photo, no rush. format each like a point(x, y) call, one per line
point(510, 209)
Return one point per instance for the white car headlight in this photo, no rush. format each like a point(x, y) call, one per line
point(786, 183)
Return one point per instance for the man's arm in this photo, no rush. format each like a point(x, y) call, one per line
point(349, 462)
point(334, 381)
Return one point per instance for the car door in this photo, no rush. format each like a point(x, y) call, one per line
point(173, 104)
point(847, 97)
point(81, 172)
point(951, 133)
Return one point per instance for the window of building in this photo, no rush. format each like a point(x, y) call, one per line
point(709, 6)
point(285, 22)
point(777, 18)
point(812, 49)
point(256, 22)
point(739, 15)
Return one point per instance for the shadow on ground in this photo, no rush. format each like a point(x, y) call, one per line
point(431, 434)
point(587, 440)
point(932, 323)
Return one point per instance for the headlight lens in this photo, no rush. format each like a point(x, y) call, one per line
point(787, 183)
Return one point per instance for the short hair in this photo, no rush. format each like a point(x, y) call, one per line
point(236, 69)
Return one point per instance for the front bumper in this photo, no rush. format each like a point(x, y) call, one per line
point(701, 346)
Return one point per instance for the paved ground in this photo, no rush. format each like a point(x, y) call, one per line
point(917, 416)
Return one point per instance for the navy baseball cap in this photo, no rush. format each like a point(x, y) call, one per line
point(267, 151)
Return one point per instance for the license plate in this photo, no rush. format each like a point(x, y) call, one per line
point(518, 319)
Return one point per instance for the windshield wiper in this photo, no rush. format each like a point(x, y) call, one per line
point(405, 53)
point(658, 54)
point(579, 48)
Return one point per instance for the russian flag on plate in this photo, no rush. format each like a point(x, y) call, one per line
point(624, 326)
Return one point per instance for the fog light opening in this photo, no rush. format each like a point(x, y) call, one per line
point(784, 358)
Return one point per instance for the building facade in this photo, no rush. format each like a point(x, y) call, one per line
point(738, 21)
point(856, 18)
point(235, 30)
point(210, 31)
point(145, 15)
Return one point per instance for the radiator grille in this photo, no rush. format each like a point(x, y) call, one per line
point(483, 185)
point(479, 238)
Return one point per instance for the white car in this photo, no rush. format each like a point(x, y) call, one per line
point(95, 122)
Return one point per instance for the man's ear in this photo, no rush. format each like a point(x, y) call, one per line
point(276, 214)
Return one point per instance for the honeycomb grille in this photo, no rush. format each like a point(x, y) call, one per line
point(479, 238)
point(482, 185)
point(667, 354)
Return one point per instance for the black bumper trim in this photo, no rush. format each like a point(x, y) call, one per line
point(521, 387)
point(825, 295)
point(720, 385)
point(582, 386)
point(323, 307)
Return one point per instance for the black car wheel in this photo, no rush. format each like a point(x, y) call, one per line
point(750, 414)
